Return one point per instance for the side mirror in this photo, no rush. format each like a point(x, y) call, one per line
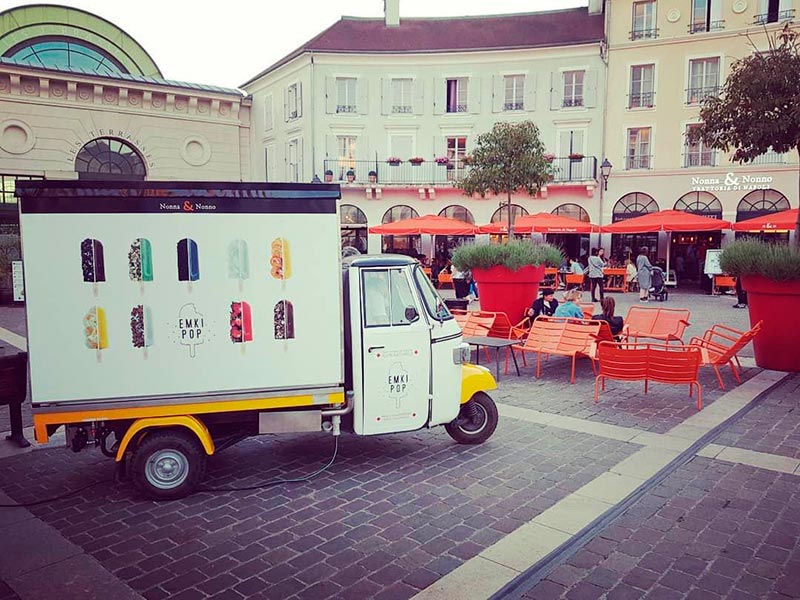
point(411, 314)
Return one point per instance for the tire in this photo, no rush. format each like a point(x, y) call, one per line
point(168, 464)
point(477, 427)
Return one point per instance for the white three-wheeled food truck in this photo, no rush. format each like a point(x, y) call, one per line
point(182, 317)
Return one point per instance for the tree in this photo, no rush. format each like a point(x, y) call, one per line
point(759, 106)
point(506, 159)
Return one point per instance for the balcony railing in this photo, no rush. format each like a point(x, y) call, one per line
point(702, 26)
point(513, 106)
point(637, 161)
point(574, 101)
point(697, 95)
point(699, 158)
point(644, 34)
point(456, 108)
point(784, 15)
point(402, 109)
point(641, 100)
point(565, 170)
point(345, 108)
point(769, 158)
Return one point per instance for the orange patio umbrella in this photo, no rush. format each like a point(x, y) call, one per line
point(786, 219)
point(542, 222)
point(431, 224)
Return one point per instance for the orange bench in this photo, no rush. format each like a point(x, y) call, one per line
point(721, 345)
point(444, 279)
point(562, 337)
point(649, 362)
point(665, 324)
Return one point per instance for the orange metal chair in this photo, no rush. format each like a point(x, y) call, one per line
point(575, 280)
point(587, 308)
point(723, 281)
point(721, 345)
point(445, 279)
point(649, 362)
point(665, 324)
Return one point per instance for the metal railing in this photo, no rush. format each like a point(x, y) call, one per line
point(565, 170)
point(699, 158)
point(641, 100)
point(514, 106)
point(402, 109)
point(644, 34)
point(769, 158)
point(637, 161)
point(784, 15)
point(574, 101)
point(345, 108)
point(703, 26)
point(457, 108)
point(697, 95)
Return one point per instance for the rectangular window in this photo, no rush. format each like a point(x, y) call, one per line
point(703, 79)
point(8, 183)
point(697, 153)
point(706, 16)
point(293, 102)
point(644, 20)
point(774, 11)
point(641, 95)
point(573, 88)
point(456, 95)
point(345, 154)
point(638, 156)
point(387, 294)
point(402, 101)
point(515, 92)
point(456, 152)
point(346, 95)
point(269, 119)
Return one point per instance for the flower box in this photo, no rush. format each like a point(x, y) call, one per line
point(549, 156)
point(441, 160)
point(576, 156)
point(416, 161)
point(393, 161)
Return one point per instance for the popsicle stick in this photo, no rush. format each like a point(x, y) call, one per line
point(189, 285)
point(191, 350)
point(144, 352)
point(95, 290)
point(99, 355)
point(241, 285)
point(141, 288)
point(244, 347)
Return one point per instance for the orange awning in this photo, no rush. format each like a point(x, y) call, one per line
point(541, 223)
point(784, 220)
point(667, 220)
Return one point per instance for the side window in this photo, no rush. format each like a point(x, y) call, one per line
point(433, 303)
point(387, 294)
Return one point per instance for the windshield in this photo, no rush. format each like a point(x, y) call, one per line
point(433, 302)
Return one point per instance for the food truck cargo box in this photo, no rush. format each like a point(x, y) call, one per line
point(149, 290)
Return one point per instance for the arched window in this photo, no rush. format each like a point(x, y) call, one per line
point(501, 214)
point(65, 53)
point(109, 158)
point(398, 213)
point(700, 203)
point(354, 227)
point(632, 205)
point(456, 211)
point(761, 202)
point(352, 215)
point(402, 244)
point(573, 211)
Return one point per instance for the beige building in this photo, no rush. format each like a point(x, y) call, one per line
point(664, 57)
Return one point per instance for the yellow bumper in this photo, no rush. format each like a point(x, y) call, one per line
point(475, 378)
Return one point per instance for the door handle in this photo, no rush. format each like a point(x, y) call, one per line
point(371, 348)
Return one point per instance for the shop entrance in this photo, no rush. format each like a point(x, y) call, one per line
point(688, 253)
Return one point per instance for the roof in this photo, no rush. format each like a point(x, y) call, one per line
point(460, 34)
point(128, 78)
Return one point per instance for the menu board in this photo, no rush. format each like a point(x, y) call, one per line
point(17, 281)
point(141, 298)
point(712, 262)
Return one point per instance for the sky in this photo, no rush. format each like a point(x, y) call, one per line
point(227, 42)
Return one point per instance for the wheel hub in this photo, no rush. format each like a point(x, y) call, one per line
point(167, 469)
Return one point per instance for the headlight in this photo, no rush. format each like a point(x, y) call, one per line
point(461, 354)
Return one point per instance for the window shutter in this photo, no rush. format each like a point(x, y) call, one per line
point(362, 154)
point(590, 89)
point(564, 143)
point(474, 94)
point(418, 95)
point(299, 99)
point(331, 148)
point(288, 176)
point(269, 121)
point(578, 141)
point(272, 153)
point(362, 95)
point(300, 173)
point(498, 93)
point(439, 96)
point(286, 104)
point(330, 95)
point(556, 91)
point(530, 92)
point(386, 96)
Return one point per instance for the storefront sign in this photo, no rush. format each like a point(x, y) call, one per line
point(126, 136)
point(731, 183)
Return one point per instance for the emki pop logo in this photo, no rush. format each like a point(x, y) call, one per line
point(397, 382)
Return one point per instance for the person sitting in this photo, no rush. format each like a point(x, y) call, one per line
point(546, 305)
point(576, 267)
point(632, 275)
point(570, 306)
point(615, 323)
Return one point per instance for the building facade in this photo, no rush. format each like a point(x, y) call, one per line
point(665, 57)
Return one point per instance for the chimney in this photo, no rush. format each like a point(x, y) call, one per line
point(595, 7)
point(391, 10)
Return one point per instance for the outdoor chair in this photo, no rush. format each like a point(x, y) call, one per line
point(720, 346)
point(445, 279)
point(574, 280)
point(665, 324)
point(587, 308)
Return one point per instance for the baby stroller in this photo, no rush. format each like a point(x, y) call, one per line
point(658, 288)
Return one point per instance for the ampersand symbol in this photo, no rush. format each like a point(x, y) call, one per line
point(187, 206)
point(731, 180)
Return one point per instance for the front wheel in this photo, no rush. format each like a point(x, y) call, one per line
point(476, 421)
point(168, 465)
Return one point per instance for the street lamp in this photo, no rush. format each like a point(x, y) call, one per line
point(605, 172)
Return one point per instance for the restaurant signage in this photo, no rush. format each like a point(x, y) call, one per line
point(731, 183)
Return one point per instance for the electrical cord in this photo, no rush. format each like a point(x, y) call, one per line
point(261, 486)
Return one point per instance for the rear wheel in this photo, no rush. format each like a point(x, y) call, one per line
point(476, 422)
point(168, 465)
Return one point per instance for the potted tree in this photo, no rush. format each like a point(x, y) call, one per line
point(508, 275)
point(757, 111)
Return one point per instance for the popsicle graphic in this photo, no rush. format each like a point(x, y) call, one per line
point(141, 328)
point(191, 327)
point(93, 263)
point(284, 320)
point(188, 261)
point(241, 320)
point(140, 262)
point(279, 260)
point(95, 331)
point(238, 261)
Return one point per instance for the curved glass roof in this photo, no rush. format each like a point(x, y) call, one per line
point(66, 53)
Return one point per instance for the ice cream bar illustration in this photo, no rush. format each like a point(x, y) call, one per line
point(238, 261)
point(188, 261)
point(140, 261)
point(95, 330)
point(279, 261)
point(284, 320)
point(92, 262)
point(191, 327)
point(241, 323)
point(141, 327)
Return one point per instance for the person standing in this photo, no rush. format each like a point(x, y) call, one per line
point(741, 295)
point(643, 268)
point(595, 273)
